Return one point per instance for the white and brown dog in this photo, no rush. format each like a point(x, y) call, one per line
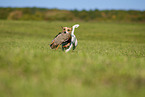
point(66, 38)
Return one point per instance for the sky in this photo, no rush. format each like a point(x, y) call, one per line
point(77, 4)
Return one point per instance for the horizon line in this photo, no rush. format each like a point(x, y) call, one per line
point(72, 9)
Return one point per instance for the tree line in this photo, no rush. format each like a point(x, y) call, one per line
point(71, 15)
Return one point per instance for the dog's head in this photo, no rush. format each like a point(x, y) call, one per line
point(66, 30)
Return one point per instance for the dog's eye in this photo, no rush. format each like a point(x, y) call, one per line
point(63, 29)
point(68, 30)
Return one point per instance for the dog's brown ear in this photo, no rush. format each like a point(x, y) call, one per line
point(61, 27)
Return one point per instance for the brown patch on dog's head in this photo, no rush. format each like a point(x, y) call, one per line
point(66, 29)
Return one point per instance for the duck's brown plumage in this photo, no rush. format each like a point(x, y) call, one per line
point(59, 39)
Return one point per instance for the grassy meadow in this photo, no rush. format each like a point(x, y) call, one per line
point(109, 60)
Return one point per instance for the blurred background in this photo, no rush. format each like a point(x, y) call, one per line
point(71, 10)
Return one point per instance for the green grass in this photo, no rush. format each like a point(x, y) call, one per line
point(108, 62)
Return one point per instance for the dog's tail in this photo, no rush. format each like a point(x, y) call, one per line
point(75, 26)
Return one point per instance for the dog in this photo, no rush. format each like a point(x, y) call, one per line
point(66, 38)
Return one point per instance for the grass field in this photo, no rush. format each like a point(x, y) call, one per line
point(108, 62)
